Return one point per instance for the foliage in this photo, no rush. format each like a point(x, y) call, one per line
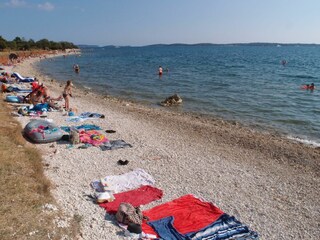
point(21, 44)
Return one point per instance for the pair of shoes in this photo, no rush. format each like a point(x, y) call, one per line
point(121, 162)
point(110, 131)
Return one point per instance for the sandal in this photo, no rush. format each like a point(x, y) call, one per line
point(121, 162)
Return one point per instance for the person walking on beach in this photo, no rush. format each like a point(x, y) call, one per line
point(66, 93)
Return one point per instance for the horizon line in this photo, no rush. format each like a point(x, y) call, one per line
point(191, 44)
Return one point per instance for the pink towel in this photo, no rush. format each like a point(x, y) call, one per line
point(136, 197)
point(93, 137)
point(190, 214)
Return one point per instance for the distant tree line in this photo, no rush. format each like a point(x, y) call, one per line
point(21, 44)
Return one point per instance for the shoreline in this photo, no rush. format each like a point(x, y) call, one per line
point(308, 138)
point(259, 177)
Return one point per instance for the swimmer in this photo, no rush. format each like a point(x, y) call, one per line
point(76, 68)
point(308, 87)
point(160, 70)
point(311, 87)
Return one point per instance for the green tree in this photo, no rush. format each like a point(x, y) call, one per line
point(32, 44)
point(12, 45)
point(3, 43)
point(43, 44)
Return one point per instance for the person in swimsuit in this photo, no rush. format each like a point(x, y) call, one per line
point(66, 93)
point(312, 87)
point(36, 98)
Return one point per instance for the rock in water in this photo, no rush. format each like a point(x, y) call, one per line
point(172, 100)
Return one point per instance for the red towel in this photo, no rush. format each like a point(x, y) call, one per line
point(136, 197)
point(190, 214)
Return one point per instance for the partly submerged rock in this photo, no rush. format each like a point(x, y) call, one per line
point(172, 100)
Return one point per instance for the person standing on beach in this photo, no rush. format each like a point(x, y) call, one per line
point(66, 93)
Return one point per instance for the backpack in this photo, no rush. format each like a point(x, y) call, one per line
point(129, 214)
point(74, 136)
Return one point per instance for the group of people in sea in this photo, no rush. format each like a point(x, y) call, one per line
point(308, 86)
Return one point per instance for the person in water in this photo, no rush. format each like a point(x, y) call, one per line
point(66, 93)
point(76, 68)
point(160, 70)
point(311, 87)
point(308, 86)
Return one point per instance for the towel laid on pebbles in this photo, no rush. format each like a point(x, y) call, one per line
point(189, 217)
point(92, 137)
point(189, 212)
point(226, 227)
point(85, 127)
point(115, 144)
point(135, 197)
point(127, 181)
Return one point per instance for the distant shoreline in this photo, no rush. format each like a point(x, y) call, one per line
point(205, 44)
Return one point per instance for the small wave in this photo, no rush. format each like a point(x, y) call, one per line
point(298, 76)
point(305, 141)
point(305, 76)
point(89, 88)
point(292, 121)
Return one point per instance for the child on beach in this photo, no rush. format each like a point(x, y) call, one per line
point(66, 93)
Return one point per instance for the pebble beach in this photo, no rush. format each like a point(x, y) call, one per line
point(268, 182)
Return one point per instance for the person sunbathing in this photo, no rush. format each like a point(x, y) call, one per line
point(46, 95)
point(38, 99)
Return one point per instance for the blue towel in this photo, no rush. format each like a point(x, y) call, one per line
point(84, 126)
point(226, 227)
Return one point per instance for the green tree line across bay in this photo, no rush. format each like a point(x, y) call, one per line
point(21, 44)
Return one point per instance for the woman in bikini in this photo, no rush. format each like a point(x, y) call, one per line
point(66, 93)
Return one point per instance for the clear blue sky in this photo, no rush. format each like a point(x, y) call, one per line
point(143, 22)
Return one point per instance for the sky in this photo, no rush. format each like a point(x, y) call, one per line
point(145, 22)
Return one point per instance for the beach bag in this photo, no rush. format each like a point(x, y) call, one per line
point(129, 214)
point(74, 136)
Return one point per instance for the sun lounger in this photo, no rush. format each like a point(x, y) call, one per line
point(22, 79)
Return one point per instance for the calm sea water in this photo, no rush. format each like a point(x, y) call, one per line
point(243, 83)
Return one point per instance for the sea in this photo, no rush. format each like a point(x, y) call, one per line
point(259, 86)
